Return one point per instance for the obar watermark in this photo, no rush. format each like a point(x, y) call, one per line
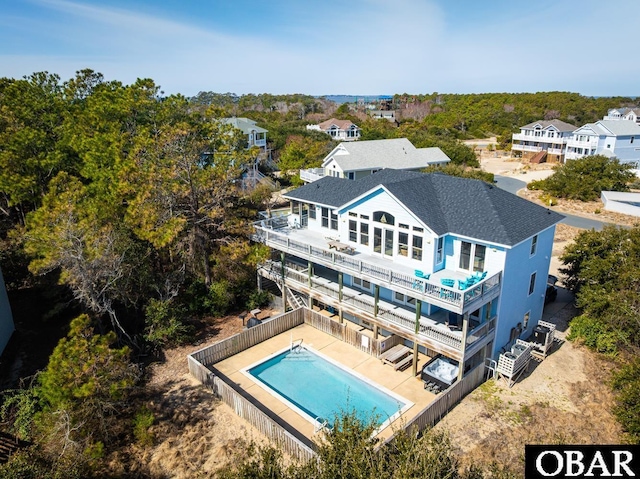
point(582, 461)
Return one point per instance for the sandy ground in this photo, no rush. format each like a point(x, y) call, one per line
point(562, 399)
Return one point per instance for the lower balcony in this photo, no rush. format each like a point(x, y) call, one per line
point(433, 332)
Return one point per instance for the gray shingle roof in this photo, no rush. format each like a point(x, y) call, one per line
point(560, 125)
point(392, 153)
point(244, 124)
point(446, 204)
point(620, 127)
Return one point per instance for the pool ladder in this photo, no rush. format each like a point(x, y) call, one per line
point(296, 345)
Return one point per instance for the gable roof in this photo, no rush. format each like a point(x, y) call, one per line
point(341, 124)
point(558, 124)
point(244, 124)
point(398, 153)
point(446, 204)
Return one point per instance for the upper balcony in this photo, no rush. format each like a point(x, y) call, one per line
point(557, 140)
point(394, 276)
point(312, 174)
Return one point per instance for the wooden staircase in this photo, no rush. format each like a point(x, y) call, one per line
point(540, 157)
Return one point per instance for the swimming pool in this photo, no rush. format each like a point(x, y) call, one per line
point(317, 387)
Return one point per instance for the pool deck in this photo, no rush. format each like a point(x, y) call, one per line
point(402, 383)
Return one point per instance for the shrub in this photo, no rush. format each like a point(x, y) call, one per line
point(164, 323)
point(595, 334)
point(586, 178)
point(258, 299)
point(626, 386)
point(142, 421)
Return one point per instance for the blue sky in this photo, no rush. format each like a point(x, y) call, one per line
point(330, 46)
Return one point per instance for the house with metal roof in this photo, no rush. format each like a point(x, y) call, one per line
point(339, 130)
point(439, 264)
point(612, 138)
point(542, 140)
point(6, 318)
point(357, 160)
point(256, 136)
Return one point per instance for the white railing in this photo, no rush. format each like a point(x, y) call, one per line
point(449, 298)
point(404, 319)
point(312, 174)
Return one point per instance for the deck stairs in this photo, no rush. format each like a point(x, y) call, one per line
point(540, 157)
point(295, 299)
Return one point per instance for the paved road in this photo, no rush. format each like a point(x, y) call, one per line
point(513, 185)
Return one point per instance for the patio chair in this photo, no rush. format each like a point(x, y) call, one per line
point(463, 284)
point(447, 282)
point(420, 274)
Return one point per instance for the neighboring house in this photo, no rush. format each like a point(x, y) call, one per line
point(542, 140)
point(383, 115)
point(256, 136)
point(630, 114)
point(6, 318)
point(612, 138)
point(340, 130)
point(357, 160)
point(394, 253)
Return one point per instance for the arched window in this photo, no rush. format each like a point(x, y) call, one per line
point(382, 217)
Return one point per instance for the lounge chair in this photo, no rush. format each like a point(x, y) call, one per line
point(420, 274)
point(448, 282)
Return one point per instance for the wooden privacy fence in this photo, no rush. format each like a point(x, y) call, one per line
point(445, 401)
point(249, 337)
point(200, 362)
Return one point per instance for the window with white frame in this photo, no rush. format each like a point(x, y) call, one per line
point(478, 257)
point(364, 233)
point(439, 250)
point(404, 299)
point(312, 212)
point(403, 243)
point(532, 283)
point(465, 255)
point(361, 283)
point(353, 231)
point(475, 251)
point(325, 217)
point(416, 250)
point(334, 221)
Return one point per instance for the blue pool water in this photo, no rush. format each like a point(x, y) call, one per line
point(322, 389)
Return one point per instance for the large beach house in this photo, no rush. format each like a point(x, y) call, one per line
point(6, 318)
point(543, 140)
point(444, 265)
point(357, 160)
point(615, 136)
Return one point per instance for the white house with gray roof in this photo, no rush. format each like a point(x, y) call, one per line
point(6, 318)
point(544, 139)
point(256, 136)
point(612, 138)
point(444, 265)
point(357, 160)
point(630, 114)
